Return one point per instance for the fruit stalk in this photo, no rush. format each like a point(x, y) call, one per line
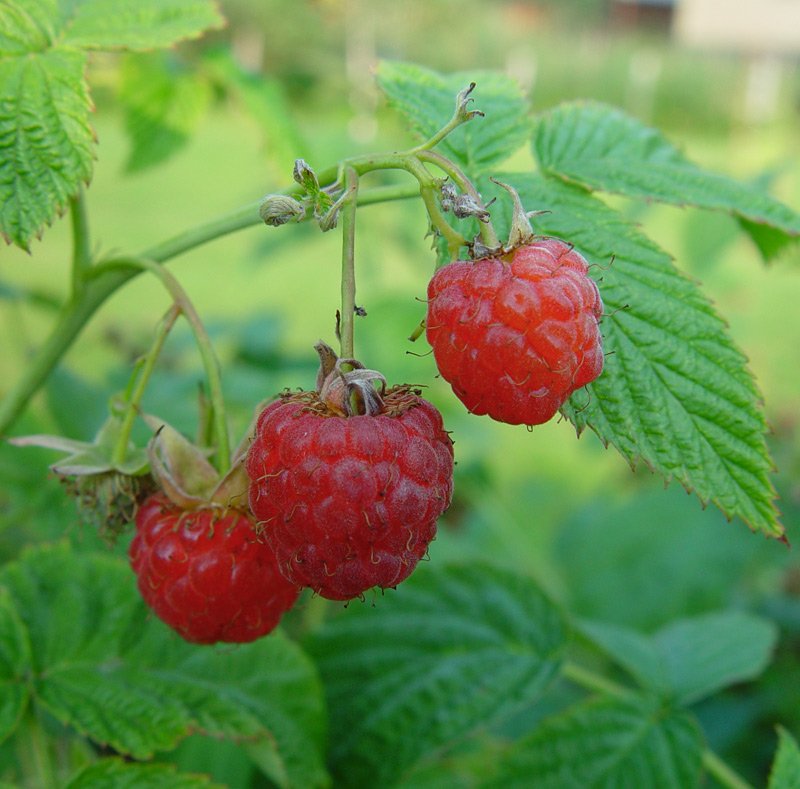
point(348, 214)
point(141, 376)
point(207, 355)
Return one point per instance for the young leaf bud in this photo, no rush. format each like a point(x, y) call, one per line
point(276, 210)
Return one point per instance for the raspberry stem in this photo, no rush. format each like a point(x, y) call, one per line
point(141, 376)
point(348, 214)
point(207, 355)
point(81, 245)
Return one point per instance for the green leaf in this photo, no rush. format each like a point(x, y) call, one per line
point(608, 743)
point(116, 774)
point(45, 136)
point(426, 100)
point(121, 678)
point(164, 103)
point(706, 653)
point(15, 661)
point(692, 658)
point(600, 147)
point(675, 391)
point(454, 649)
point(785, 772)
point(135, 24)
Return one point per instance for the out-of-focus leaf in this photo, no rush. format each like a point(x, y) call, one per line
point(604, 743)
point(15, 662)
point(116, 774)
point(786, 768)
point(690, 659)
point(164, 103)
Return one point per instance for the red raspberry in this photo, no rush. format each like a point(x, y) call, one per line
point(351, 502)
point(516, 335)
point(207, 576)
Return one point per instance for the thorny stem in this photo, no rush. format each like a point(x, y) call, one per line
point(597, 683)
point(81, 252)
point(141, 376)
point(348, 215)
point(209, 359)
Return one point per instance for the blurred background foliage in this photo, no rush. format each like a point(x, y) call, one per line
point(217, 123)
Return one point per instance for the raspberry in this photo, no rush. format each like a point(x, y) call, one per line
point(349, 502)
point(516, 335)
point(207, 576)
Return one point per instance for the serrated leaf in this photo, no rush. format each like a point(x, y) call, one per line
point(675, 391)
point(452, 650)
point(426, 99)
point(690, 658)
point(116, 774)
point(164, 103)
point(122, 678)
point(601, 147)
point(15, 660)
point(135, 24)
point(785, 773)
point(45, 138)
point(608, 743)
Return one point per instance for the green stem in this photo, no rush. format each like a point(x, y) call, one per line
point(488, 233)
point(348, 216)
point(81, 244)
point(591, 681)
point(209, 359)
point(722, 773)
point(141, 376)
point(33, 753)
point(596, 683)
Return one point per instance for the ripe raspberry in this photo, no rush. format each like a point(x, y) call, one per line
point(516, 335)
point(349, 502)
point(206, 576)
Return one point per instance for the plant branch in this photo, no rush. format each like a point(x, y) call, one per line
point(348, 214)
point(210, 361)
point(597, 683)
point(81, 241)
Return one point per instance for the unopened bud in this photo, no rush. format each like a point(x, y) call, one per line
point(276, 210)
point(465, 205)
point(449, 194)
point(305, 176)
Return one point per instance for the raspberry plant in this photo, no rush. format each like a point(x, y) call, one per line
point(339, 489)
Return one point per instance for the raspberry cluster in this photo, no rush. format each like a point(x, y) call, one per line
point(516, 335)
